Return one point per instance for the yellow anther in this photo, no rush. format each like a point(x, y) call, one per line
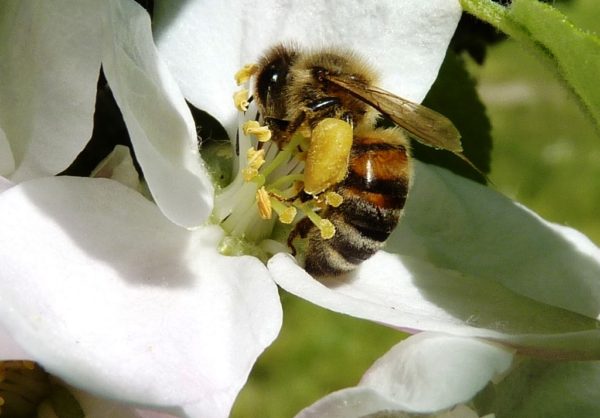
point(327, 229)
point(249, 173)
point(252, 127)
point(263, 202)
point(288, 215)
point(255, 158)
point(240, 99)
point(333, 199)
point(245, 73)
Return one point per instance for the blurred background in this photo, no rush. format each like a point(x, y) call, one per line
point(546, 155)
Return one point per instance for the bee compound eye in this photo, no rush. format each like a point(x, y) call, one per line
point(271, 81)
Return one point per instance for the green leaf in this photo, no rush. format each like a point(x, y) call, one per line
point(454, 95)
point(64, 403)
point(573, 53)
point(544, 389)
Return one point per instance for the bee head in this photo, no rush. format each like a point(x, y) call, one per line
point(272, 79)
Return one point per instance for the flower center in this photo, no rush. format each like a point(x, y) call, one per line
point(23, 386)
point(278, 181)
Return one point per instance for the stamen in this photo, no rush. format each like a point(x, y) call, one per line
point(271, 176)
point(325, 226)
point(333, 199)
point(327, 229)
point(285, 154)
point(240, 100)
point(255, 160)
point(262, 133)
point(287, 214)
point(296, 180)
point(245, 73)
point(264, 203)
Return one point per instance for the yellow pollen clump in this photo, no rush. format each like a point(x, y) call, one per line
point(245, 73)
point(327, 229)
point(240, 99)
point(264, 203)
point(252, 127)
point(328, 155)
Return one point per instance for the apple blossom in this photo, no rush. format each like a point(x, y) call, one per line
point(438, 375)
point(427, 375)
point(51, 57)
point(464, 258)
point(114, 297)
point(169, 332)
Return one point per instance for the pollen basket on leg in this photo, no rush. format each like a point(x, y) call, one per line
point(328, 154)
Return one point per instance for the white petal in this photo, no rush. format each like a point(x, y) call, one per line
point(118, 166)
point(353, 402)
point(205, 43)
point(363, 402)
point(9, 349)
point(431, 372)
point(48, 72)
point(5, 184)
point(412, 294)
point(425, 373)
point(95, 407)
point(159, 122)
point(460, 225)
point(109, 295)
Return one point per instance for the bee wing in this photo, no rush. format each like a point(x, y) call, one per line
point(427, 126)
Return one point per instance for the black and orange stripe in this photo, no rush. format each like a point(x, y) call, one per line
point(374, 193)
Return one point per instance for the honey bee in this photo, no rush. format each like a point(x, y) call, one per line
point(295, 88)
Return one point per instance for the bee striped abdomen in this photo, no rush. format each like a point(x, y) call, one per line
point(374, 193)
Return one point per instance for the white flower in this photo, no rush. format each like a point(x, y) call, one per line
point(106, 289)
point(429, 374)
point(437, 375)
point(128, 305)
point(464, 259)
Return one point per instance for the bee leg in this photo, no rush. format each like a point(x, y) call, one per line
point(276, 124)
point(279, 129)
point(301, 229)
point(347, 117)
